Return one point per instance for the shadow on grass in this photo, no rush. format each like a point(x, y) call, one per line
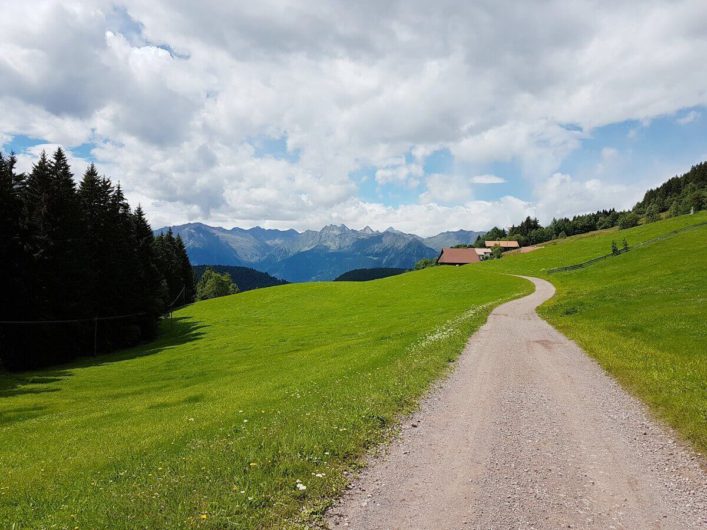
point(173, 332)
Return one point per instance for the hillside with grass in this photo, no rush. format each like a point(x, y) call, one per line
point(245, 413)
point(640, 314)
point(366, 275)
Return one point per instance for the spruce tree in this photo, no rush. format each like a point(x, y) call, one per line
point(148, 278)
point(80, 257)
point(185, 270)
point(14, 296)
point(57, 270)
point(95, 197)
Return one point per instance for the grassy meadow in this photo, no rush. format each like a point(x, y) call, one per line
point(642, 315)
point(245, 413)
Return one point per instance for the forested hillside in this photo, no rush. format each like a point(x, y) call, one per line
point(679, 195)
point(82, 271)
point(245, 278)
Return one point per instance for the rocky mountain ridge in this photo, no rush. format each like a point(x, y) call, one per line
point(311, 255)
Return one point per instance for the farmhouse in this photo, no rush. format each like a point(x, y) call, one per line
point(458, 256)
point(483, 252)
point(503, 244)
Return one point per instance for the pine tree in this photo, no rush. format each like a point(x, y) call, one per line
point(56, 288)
point(148, 277)
point(74, 255)
point(14, 295)
point(95, 198)
point(12, 234)
point(169, 266)
point(186, 271)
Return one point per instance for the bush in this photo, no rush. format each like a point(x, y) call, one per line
point(424, 263)
point(212, 285)
point(674, 210)
point(628, 220)
point(652, 213)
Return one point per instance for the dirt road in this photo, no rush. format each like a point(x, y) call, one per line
point(528, 432)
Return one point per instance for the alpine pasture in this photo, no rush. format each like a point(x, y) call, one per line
point(245, 413)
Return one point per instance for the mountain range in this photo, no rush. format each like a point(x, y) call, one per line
point(311, 255)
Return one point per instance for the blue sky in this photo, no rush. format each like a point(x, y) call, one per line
point(258, 114)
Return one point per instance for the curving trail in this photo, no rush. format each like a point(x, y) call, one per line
point(528, 432)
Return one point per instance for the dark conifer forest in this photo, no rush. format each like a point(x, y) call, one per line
point(82, 272)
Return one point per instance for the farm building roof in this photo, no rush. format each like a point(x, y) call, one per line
point(457, 256)
point(483, 251)
point(503, 244)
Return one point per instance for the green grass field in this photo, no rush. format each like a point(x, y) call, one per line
point(642, 315)
point(242, 404)
point(249, 409)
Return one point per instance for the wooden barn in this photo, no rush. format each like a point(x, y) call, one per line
point(458, 256)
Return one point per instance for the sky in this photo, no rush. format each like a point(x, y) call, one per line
point(425, 116)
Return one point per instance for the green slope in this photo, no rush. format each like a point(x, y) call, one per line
point(213, 425)
point(642, 315)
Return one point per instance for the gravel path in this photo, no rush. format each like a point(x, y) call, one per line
point(528, 432)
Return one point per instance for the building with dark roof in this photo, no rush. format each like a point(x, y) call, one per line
point(458, 256)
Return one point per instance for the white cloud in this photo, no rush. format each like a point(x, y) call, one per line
point(561, 195)
point(609, 153)
point(487, 179)
point(690, 117)
point(398, 171)
point(172, 94)
point(447, 189)
point(453, 189)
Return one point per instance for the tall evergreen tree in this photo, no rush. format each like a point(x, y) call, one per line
point(57, 270)
point(186, 271)
point(149, 282)
point(95, 199)
point(80, 264)
point(12, 235)
point(14, 262)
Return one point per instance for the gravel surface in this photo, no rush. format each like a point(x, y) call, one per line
point(528, 432)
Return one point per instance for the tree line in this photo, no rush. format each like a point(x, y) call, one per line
point(678, 196)
point(83, 272)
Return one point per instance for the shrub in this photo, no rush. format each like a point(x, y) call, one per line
point(628, 220)
point(424, 263)
point(652, 213)
point(212, 285)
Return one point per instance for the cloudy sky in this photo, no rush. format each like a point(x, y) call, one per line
point(422, 115)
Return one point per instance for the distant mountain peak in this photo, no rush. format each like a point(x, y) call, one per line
point(335, 229)
point(312, 255)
